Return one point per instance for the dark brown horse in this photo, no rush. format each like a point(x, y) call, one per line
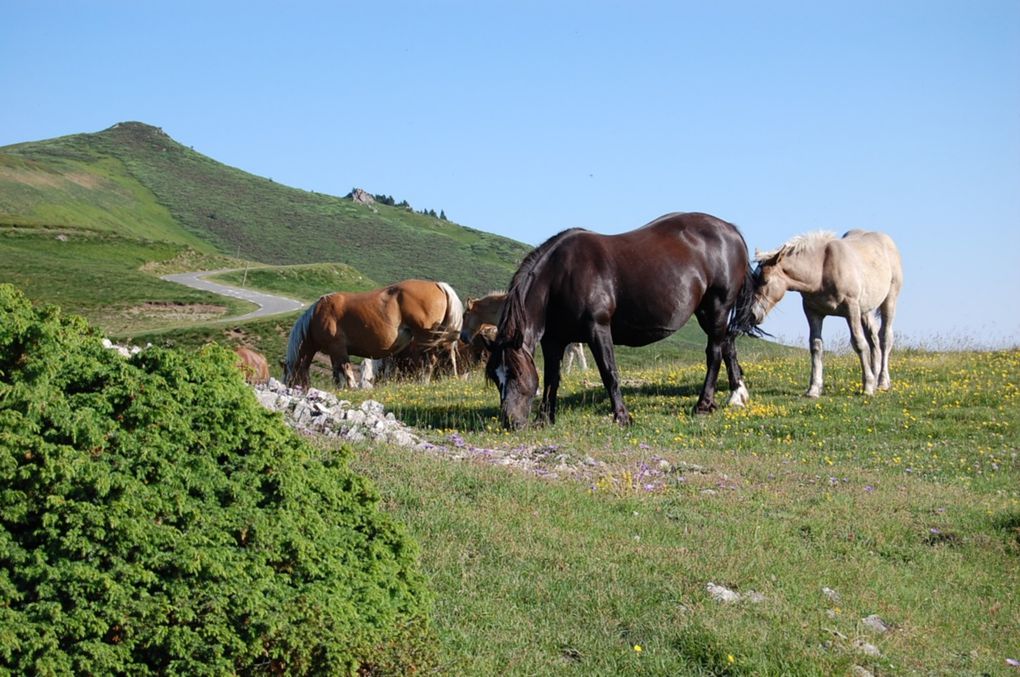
point(632, 289)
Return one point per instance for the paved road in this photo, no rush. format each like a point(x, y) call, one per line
point(268, 303)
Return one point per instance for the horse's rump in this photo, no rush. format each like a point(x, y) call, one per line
point(253, 365)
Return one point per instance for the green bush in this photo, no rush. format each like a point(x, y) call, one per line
point(154, 518)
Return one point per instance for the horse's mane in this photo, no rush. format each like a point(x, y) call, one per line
point(512, 319)
point(298, 333)
point(796, 245)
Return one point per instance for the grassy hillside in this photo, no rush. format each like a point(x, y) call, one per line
point(135, 181)
point(112, 281)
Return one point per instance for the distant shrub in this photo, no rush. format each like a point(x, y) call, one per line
point(154, 518)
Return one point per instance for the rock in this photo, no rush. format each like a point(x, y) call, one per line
point(875, 624)
point(867, 648)
point(722, 594)
point(831, 595)
point(361, 197)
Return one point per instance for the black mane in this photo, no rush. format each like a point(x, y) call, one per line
point(512, 318)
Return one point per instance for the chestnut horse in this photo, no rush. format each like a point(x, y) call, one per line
point(852, 277)
point(373, 325)
point(486, 311)
point(632, 289)
point(253, 365)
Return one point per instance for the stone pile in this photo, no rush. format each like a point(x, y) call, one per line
point(317, 412)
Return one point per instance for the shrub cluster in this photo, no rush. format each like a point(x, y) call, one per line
point(154, 518)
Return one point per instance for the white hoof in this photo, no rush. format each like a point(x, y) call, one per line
point(740, 397)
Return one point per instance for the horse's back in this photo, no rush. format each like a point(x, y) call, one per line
point(869, 259)
point(650, 280)
point(423, 301)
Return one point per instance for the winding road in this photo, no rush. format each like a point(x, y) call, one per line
point(268, 304)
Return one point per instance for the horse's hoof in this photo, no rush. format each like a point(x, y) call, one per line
point(740, 397)
point(813, 394)
point(623, 418)
point(702, 408)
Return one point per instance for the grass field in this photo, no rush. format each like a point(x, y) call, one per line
point(905, 505)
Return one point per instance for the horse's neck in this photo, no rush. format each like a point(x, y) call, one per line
point(490, 311)
point(529, 319)
point(803, 272)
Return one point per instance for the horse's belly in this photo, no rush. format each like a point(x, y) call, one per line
point(640, 331)
point(627, 335)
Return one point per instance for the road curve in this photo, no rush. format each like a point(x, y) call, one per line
point(268, 304)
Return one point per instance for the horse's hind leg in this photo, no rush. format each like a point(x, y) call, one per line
point(715, 325)
point(888, 311)
point(860, 345)
point(739, 396)
point(602, 350)
point(870, 324)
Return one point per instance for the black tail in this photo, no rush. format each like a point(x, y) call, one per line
point(742, 315)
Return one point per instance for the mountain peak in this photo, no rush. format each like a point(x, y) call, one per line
point(137, 128)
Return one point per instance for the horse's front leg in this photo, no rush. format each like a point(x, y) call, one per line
point(817, 349)
point(860, 345)
point(553, 353)
point(601, 345)
point(341, 362)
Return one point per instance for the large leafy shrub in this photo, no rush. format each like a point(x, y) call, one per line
point(154, 518)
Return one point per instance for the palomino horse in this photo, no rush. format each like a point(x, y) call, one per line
point(253, 365)
point(372, 325)
point(486, 311)
point(632, 289)
point(851, 277)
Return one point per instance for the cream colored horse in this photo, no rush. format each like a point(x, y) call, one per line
point(486, 310)
point(851, 277)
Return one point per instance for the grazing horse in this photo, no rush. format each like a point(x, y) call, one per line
point(373, 325)
point(632, 289)
point(253, 365)
point(851, 277)
point(486, 311)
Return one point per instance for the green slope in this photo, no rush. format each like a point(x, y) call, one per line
point(134, 180)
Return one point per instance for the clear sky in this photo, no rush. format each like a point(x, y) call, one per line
point(525, 118)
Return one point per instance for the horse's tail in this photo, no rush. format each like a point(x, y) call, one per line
point(454, 318)
point(298, 334)
point(742, 313)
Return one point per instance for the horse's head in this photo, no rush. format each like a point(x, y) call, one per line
point(769, 284)
point(471, 322)
point(513, 371)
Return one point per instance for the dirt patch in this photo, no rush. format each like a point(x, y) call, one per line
point(166, 310)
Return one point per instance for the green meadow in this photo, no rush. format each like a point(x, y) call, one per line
point(819, 513)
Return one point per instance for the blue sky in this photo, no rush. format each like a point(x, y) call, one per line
point(525, 118)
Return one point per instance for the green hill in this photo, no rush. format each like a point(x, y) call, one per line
point(134, 181)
